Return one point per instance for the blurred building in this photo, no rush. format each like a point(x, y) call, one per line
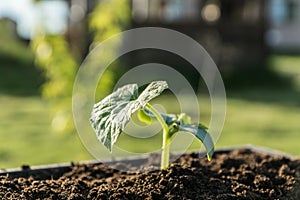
point(284, 33)
point(236, 33)
point(232, 31)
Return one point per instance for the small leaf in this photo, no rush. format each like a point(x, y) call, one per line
point(110, 116)
point(182, 122)
point(184, 118)
point(143, 117)
point(168, 118)
point(202, 126)
point(202, 135)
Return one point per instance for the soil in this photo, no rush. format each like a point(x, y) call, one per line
point(235, 174)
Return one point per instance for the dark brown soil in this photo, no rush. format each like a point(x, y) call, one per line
point(235, 174)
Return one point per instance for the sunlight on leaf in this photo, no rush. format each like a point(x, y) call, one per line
point(110, 115)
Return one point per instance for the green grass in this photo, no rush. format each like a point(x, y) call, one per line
point(25, 126)
point(288, 66)
point(267, 116)
point(262, 123)
point(26, 136)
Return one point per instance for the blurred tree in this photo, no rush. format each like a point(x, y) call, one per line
point(54, 57)
point(108, 18)
point(59, 67)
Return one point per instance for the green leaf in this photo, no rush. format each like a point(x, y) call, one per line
point(168, 118)
point(184, 118)
point(182, 122)
point(202, 135)
point(153, 90)
point(143, 117)
point(202, 126)
point(110, 115)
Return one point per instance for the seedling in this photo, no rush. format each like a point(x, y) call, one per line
point(110, 116)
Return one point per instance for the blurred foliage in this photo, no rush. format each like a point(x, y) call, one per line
point(17, 72)
point(52, 55)
point(59, 67)
point(108, 18)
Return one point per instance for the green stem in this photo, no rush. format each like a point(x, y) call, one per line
point(166, 139)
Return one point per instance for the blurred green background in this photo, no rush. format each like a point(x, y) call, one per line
point(37, 73)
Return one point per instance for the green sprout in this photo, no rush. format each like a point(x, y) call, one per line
point(110, 116)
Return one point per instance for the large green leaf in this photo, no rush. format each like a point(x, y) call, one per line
point(110, 116)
